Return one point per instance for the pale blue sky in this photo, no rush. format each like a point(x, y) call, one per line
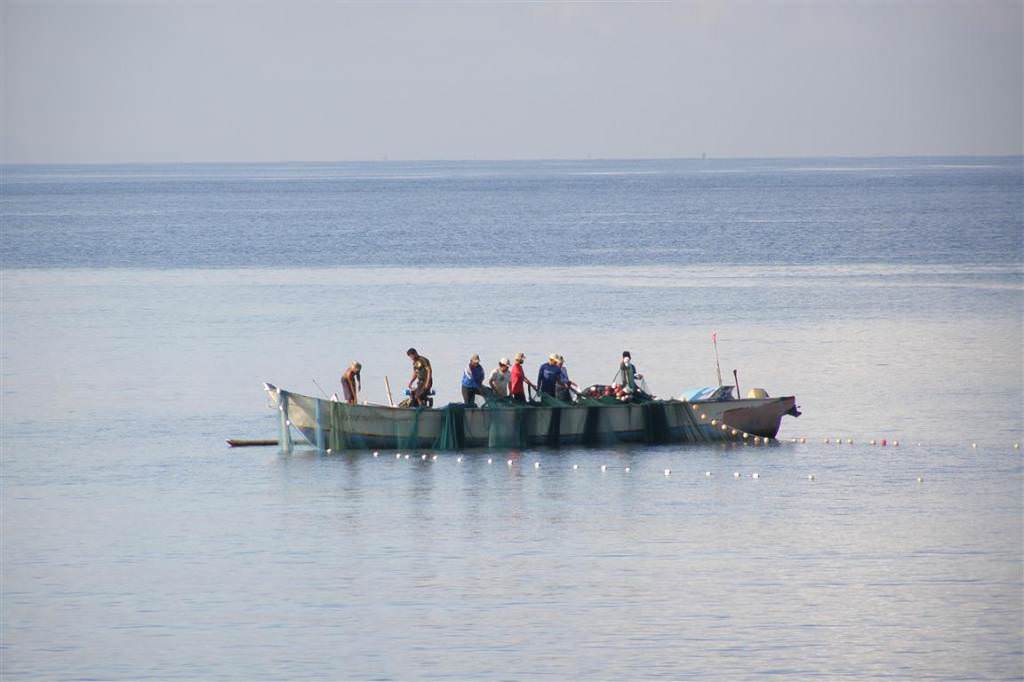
point(242, 81)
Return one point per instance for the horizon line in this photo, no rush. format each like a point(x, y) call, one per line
point(558, 159)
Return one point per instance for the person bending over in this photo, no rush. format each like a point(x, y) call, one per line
point(351, 383)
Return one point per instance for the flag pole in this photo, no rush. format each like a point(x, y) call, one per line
point(718, 366)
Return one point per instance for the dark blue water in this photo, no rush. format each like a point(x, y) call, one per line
point(142, 307)
point(893, 210)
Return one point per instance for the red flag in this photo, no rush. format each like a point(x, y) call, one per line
point(714, 337)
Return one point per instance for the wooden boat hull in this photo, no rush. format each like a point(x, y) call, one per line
point(324, 423)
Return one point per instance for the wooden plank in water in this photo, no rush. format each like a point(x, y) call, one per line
point(243, 443)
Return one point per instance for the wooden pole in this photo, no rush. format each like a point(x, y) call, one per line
point(736, 377)
point(387, 385)
point(718, 366)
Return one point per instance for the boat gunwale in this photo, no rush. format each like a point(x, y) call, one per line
point(737, 402)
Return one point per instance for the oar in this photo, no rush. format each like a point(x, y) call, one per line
point(387, 386)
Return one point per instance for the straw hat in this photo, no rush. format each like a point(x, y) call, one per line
point(474, 358)
point(520, 357)
point(503, 361)
point(553, 357)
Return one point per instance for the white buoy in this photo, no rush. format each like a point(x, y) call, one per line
point(459, 460)
point(604, 467)
point(920, 479)
point(757, 439)
point(707, 474)
point(490, 460)
point(668, 472)
point(747, 435)
point(1016, 446)
point(714, 422)
point(398, 455)
point(407, 456)
point(575, 466)
point(895, 443)
point(755, 475)
point(510, 462)
point(735, 474)
point(871, 442)
point(536, 465)
point(825, 441)
point(703, 416)
point(288, 422)
point(735, 432)
point(803, 440)
point(792, 440)
point(810, 477)
point(626, 470)
point(375, 453)
point(423, 456)
point(849, 441)
point(974, 445)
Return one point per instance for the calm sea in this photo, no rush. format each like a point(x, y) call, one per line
point(143, 306)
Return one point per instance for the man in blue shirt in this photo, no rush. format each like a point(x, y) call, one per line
point(549, 376)
point(472, 381)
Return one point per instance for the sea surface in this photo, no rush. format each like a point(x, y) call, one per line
point(143, 307)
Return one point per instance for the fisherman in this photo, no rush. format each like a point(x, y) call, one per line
point(549, 375)
point(629, 373)
point(472, 381)
point(352, 383)
point(565, 386)
point(422, 379)
point(499, 378)
point(518, 381)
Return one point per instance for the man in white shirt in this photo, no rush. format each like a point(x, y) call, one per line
point(499, 379)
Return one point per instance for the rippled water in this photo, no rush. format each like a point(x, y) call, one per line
point(136, 545)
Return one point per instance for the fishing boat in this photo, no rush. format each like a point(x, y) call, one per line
point(704, 416)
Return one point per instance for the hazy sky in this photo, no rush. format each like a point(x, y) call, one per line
point(291, 81)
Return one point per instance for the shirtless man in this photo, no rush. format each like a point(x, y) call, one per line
point(352, 383)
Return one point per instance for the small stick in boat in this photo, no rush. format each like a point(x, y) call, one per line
point(387, 385)
point(321, 389)
point(243, 443)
